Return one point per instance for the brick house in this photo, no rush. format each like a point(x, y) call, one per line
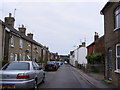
point(18, 45)
point(111, 12)
point(97, 46)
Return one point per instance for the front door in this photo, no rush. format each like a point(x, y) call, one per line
point(110, 64)
point(16, 57)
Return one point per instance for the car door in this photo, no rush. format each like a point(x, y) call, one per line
point(39, 72)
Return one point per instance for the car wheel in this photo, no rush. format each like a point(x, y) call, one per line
point(43, 80)
point(35, 85)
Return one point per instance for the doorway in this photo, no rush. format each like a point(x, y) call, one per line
point(109, 64)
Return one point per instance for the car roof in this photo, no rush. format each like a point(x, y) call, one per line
point(22, 61)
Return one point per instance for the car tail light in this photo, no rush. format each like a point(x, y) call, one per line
point(54, 65)
point(23, 76)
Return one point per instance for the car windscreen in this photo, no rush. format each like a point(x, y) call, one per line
point(52, 62)
point(17, 66)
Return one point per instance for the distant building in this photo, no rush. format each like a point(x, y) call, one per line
point(111, 12)
point(78, 56)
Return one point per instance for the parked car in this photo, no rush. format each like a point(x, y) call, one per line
point(21, 74)
point(65, 62)
point(51, 65)
point(59, 63)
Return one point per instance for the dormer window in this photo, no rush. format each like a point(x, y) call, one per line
point(117, 18)
point(12, 41)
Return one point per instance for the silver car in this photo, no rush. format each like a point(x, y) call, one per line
point(21, 74)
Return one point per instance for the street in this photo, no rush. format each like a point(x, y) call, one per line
point(65, 77)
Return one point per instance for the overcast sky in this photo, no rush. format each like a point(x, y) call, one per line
point(60, 25)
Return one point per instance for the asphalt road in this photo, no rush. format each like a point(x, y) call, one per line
point(65, 77)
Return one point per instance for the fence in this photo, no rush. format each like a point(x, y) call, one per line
point(96, 68)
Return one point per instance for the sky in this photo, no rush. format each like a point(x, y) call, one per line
point(58, 24)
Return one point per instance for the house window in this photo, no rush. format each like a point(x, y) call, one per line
point(12, 41)
point(117, 18)
point(118, 56)
point(21, 43)
point(28, 44)
point(11, 57)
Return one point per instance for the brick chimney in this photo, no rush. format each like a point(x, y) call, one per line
point(30, 35)
point(22, 29)
point(96, 36)
point(10, 20)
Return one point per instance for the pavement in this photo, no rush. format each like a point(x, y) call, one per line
point(95, 79)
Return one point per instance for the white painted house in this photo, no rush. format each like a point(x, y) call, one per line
point(82, 53)
point(78, 56)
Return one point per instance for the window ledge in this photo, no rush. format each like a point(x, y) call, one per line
point(117, 71)
point(116, 29)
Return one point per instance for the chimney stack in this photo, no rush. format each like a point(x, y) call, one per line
point(30, 35)
point(80, 46)
point(22, 29)
point(10, 20)
point(96, 36)
point(83, 44)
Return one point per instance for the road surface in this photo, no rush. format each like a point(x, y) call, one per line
point(65, 77)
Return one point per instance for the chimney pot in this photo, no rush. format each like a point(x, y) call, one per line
point(83, 44)
point(10, 14)
point(96, 36)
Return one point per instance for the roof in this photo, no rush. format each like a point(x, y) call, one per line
point(13, 30)
point(91, 44)
point(107, 5)
point(102, 37)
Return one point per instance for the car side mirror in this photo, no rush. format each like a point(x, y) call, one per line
point(40, 68)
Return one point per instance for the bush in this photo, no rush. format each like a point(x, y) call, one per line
point(95, 58)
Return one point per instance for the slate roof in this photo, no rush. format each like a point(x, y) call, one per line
point(13, 30)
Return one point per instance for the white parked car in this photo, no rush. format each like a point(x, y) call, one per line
point(65, 62)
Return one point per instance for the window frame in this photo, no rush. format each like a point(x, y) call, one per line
point(115, 17)
point(117, 56)
point(21, 43)
point(12, 41)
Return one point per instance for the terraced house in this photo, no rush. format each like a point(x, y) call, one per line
point(111, 12)
point(19, 46)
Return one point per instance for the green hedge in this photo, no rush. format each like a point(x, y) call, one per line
point(95, 58)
